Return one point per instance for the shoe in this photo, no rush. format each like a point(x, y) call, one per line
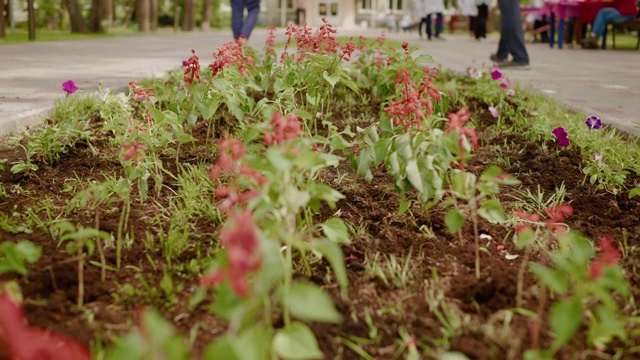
point(589, 43)
point(496, 59)
point(513, 64)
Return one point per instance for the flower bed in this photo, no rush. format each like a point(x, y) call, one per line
point(335, 200)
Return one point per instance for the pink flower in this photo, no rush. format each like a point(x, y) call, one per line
point(69, 87)
point(510, 92)
point(494, 112)
point(609, 256)
point(475, 73)
point(241, 242)
point(505, 83)
point(18, 340)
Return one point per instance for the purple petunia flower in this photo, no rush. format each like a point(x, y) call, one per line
point(69, 87)
point(185, 63)
point(561, 134)
point(593, 122)
point(505, 83)
point(495, 73)
point(494, 112)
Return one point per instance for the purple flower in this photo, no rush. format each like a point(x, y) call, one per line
point(563, 137)
point(185, 63)
point(593, 122)
point(505, 83)
point(69, 87)
point(495, 73)
point(494, 112)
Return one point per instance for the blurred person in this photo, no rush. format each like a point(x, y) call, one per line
point(535, 21)
point(243, 26)
point(480, 29)
point(619, 11)
point(434, 7)
point(469, 9)
point(392, 23)
point(511, 37)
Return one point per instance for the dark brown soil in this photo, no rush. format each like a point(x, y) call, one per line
point(50, 288)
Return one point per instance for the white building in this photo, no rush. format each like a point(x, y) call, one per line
point(340, 13)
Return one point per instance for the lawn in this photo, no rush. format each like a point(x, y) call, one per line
point(326, 200)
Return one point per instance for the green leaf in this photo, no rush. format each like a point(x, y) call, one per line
point(634, 192)
point(565, 318)
point(404, 206)
point(525, 238)
point(308, 302)
point(331, 79)
point(220, 348)
point(324, 192)
point(413, 174)
point(252, 344)
point(336, 230)
point(492, 211)
point(209, 109)
point(296, 342)
point(553, 279)
point(335, 256)
point(454, 220)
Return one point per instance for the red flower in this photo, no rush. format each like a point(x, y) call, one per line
point(284, 129)
point(132, 149)
point(229, 54)
point(140, 93)
point(556, 216)
point(21, 342)
point(193, 68)
point(241, 241)
point(609, 256)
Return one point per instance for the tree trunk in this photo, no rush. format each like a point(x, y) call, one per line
point(75, 16)
point(107, 12)
point(97, 15)
point(153, 15)
point(3, 23)
point(142, 15)
point(189, 20)
point(206, 15)
point(130, 10)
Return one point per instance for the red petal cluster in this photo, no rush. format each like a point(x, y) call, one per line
point(229, 54)
point(271, 41)
point(132, 149)
point(408, 110)
point(141, 93)
point(323, 42)
point(229, 161)
point(556, 216)
point(609, 255)
point(283, 129)
point(241, 241)
point(23, 342)
point(456, 121)
point(524, 216)
point(193, 68)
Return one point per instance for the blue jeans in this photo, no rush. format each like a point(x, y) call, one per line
point(511, 32)
point(606, 16)
point(244, 26)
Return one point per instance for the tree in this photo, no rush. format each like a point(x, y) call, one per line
point(75, 16)
point(107, 12)
point(143, 12)
point(206, 15)
point(153, 15)
point(96, 17)
point(189, 20)
point(3, 23)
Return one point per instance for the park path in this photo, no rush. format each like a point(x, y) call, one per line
point(604, 83)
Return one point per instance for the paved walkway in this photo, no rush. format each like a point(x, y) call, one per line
point(604, 83)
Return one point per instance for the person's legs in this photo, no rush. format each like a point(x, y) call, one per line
point(429, 27)
point(605, 16)
point(237, 13)
point(423, 20)
point(439, 22)
point(511, 33)
point(253, 9)
point(473, 21)
point(481, 23)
